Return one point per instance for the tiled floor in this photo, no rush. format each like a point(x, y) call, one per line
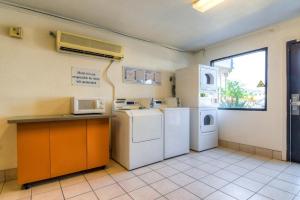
point(217, 174)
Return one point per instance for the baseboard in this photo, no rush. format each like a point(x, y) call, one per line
point(252, 149)
point(8, 174)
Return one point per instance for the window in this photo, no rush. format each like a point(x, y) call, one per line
point(243, 80)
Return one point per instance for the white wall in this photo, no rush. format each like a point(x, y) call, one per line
point(263, 129)
point(36, 80)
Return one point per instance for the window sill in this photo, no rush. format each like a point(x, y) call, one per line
point(244, 109)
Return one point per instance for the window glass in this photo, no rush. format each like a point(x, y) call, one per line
point(243, 81)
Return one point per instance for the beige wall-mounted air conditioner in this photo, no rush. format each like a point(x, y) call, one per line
point(72, 43)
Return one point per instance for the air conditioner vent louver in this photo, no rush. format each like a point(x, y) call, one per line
point(67, 42)
point(85, 52)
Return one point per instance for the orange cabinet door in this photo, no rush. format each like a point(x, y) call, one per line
point(97, 142)
point(33, 152)
point(67, 147)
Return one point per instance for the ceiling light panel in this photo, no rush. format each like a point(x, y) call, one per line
point(204, 5)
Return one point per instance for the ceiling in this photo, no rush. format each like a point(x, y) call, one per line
point(172, 22)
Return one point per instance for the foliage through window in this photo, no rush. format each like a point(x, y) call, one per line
point(243, 80)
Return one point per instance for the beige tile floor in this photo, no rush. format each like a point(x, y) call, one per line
point(217, 174)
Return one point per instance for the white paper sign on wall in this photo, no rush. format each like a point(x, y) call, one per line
point(141, 76)
point(85, 77)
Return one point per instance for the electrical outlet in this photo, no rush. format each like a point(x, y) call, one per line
point(16, 32)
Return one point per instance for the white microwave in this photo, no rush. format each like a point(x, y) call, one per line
point(89, 105)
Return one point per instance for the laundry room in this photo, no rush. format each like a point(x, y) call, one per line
point(142, 100)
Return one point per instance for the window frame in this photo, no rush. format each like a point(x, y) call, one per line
point(266, 78)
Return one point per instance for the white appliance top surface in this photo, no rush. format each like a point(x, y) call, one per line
point(141, 112)
point(175, 108)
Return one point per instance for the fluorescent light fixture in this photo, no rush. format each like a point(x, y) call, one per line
point(204, 5)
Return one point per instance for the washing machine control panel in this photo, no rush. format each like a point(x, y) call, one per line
point(125, 104)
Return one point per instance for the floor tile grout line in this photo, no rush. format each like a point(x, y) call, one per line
point(71, 176)
point(272, 178)
point(137, 187)
point(116, 182)
point(180, 187)
point(288, 181)
point(153, 187)
point(75, 184)
point(80, 195)
point(276, 177)
point(178, 172)
point(31, 193)
point(164, 195)
point(232, 182)
point(196, 194)
point(254, 193)
point(223, 168)
point(90, 187)
point(149, 185)
point(298, 192)
point(137, 176)
point(266, 184)
point(61, 189)
point(183, 187)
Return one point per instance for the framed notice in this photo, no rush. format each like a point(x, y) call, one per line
point(141, 76)
point(149, 77)
point(129, 74)
point(157, 78)
point(85, 77)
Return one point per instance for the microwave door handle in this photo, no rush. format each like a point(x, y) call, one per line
point(97, 104)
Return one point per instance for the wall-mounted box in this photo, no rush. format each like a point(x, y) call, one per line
point(16, 32)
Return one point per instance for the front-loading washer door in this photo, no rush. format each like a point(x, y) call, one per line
point(208, 119)
point(146, 127)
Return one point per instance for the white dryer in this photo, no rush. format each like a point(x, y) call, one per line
point(204, 129)
point(197, 88)
point(137, 135)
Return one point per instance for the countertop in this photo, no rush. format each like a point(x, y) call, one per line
point(52, 118)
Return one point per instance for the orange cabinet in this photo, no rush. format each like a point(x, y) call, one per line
point(67, 147)
point(33, 152)
point(97, 136)
point(55, 148)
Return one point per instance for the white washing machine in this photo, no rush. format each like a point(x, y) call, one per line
point(137, 134)
point(204, 129)
point(176, 131)
point(176, 125)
